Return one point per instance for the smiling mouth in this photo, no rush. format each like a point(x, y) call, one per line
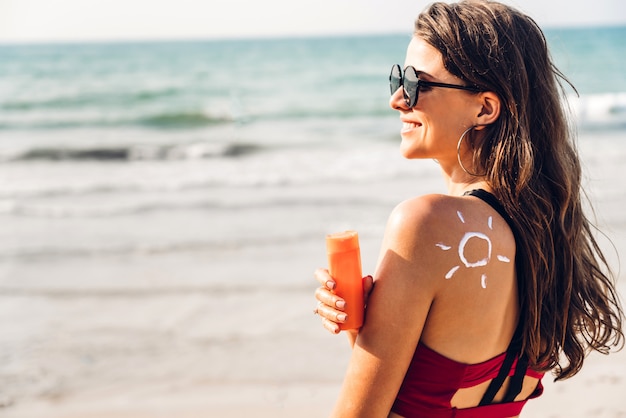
point(408, 126)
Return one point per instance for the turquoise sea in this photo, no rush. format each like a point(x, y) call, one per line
point(151, 191)
point(168, 102)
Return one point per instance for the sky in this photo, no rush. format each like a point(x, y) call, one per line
point(111, 20)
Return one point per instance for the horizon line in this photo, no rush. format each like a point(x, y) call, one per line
point(258, 37)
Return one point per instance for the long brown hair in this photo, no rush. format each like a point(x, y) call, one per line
point(568, 300)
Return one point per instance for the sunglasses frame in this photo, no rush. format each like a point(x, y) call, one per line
point(412, 101)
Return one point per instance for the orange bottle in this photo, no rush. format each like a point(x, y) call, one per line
point(344, 262)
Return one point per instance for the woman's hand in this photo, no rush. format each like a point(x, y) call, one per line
point(330, 307)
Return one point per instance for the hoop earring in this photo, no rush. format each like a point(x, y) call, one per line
point(458, 152)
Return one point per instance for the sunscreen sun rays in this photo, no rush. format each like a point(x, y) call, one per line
point(480, 262)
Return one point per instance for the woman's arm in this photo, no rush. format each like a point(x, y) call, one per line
point(396, 312)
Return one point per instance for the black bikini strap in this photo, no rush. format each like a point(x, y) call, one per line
point(515, 346)
point(517, 380)
point(492, 201)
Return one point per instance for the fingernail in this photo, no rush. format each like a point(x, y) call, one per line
point(330, 284)
point(340, 304)
point(341, 317)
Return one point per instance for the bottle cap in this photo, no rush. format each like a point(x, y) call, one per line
point(342, 241)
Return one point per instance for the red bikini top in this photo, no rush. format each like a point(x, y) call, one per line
point(433, 379)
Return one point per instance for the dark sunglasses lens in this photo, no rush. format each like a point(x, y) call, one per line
point(410, 86)
point(395, 78)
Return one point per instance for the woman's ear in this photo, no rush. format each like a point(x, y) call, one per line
point(489, 110)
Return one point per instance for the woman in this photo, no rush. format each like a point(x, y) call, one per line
point(479, 292)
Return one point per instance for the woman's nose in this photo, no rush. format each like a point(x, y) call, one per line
point(397, 101)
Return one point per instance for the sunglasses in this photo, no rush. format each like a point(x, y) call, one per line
point(411, 84)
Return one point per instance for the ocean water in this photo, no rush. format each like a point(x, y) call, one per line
point(148, 186)
point(105, 132)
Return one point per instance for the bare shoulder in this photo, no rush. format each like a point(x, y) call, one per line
point(431, 232)
point(417, 218)
point(414, 228)
point(425, 207)
point(443, 215)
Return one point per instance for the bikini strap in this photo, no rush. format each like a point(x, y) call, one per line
point(515, 384)
point(517, 380)
point(492, 201)
point(515, 346)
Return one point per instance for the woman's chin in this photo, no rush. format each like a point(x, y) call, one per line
point(408, 151)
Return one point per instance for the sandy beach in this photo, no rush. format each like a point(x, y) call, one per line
point(163, 340)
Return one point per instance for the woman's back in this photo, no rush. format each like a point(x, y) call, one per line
point(473, 315)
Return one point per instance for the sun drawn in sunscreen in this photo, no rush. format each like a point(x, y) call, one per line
point(475, 263)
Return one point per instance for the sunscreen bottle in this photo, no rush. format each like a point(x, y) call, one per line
point(344, 265)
